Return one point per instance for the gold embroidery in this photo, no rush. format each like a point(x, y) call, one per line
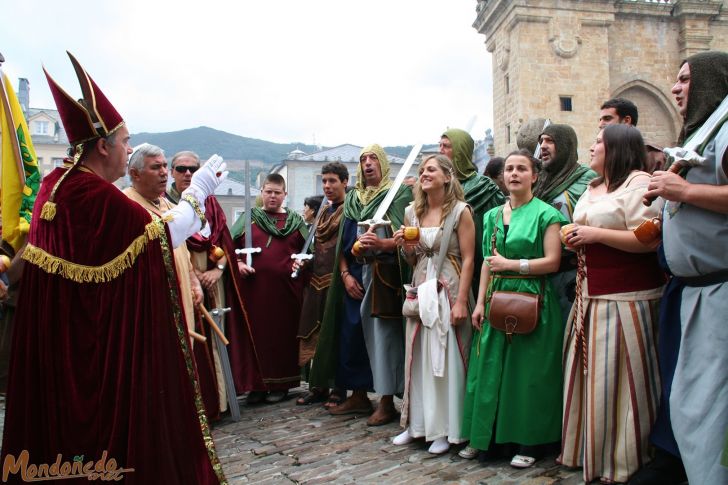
point(189, 365)
point(81, 273)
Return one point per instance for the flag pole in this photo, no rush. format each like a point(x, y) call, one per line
point(9, 114)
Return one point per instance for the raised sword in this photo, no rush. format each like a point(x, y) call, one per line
point(249, 249)
point(378, 219)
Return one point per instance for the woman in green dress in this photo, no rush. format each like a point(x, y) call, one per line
point(514, 388)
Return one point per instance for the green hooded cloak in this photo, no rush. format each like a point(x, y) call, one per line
point(564, 172)
point(360, 204)
point(481, 193)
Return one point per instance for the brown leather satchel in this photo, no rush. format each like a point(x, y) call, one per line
point(512, 311)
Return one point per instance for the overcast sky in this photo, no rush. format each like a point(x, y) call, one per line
point(394, 72)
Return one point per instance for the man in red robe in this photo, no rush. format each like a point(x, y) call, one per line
point(101, 375)
point(274, 298)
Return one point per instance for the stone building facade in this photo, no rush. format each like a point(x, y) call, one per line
point(561, 59)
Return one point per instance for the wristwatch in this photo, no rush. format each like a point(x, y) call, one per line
point(221, 267)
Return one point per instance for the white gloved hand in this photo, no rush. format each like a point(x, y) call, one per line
point(206, 179)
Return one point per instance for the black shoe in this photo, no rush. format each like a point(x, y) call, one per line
point(665, 469)
point(255, 397)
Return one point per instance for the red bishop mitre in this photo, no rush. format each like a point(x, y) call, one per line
point(91, 117)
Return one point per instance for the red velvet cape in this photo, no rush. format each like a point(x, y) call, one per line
point(105, 366)
point(241, 351)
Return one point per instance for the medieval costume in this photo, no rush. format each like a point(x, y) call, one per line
point(101, 366)
point(608, 413)
point(225, 293)
point(432, 406)
point(481, 193)
point(314, 295)
point(358, 350)
point(275, 298)
point(561, 184)
point(514, 389)
point(694, 246)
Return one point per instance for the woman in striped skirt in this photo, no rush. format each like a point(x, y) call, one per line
point(611, 379)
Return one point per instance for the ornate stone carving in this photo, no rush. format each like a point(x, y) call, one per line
point(564, 36)
point(502, 54)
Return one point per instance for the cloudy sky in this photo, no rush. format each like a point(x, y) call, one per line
point(394, 72)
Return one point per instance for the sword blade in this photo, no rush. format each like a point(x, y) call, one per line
point(537, 151)
point(384, 206)
point(248, 216)
point(226, 370)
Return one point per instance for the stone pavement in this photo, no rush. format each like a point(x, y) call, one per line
point(288, 444)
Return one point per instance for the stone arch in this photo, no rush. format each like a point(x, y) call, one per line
point(659, 120)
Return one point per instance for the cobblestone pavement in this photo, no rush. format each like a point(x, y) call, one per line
point(288, 444)
point(285, 443)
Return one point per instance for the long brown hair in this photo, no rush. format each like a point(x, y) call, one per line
point(453, 189)
point(624, 151)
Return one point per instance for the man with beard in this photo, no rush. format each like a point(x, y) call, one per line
point(693, 334)
point(334, 177)
point(359, 346)
point(481, 192)
point(561, 183)
point(274, 298)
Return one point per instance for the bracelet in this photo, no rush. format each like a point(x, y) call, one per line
point(344, 273)
point(196, 207)
point(524, 267)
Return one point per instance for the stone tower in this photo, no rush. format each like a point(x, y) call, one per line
point(561, 59)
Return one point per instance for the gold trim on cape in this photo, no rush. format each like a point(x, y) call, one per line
point(81, 273)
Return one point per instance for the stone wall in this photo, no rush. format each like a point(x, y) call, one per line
point(589, 51)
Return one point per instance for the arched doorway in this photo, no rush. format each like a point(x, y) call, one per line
point(658, 119)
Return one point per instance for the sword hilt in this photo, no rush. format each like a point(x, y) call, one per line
point(299, 257)
point(248, 252)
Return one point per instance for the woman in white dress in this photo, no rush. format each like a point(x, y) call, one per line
point(436, 358)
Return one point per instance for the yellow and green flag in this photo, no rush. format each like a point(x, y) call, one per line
point(19, 166)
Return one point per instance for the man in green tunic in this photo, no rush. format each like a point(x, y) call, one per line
point(561, 183)
point(481, 192)
point(359, 346)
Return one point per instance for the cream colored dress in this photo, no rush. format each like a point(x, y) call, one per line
point(432, 406)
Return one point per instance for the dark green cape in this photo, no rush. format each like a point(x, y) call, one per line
point(325, 361)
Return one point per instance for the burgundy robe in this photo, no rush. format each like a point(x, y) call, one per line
point(104, 367)
point(275, 305)
point(241, 350)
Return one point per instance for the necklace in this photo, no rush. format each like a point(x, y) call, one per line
point(509, 202)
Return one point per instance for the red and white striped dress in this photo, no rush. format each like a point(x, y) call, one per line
point(611, 396)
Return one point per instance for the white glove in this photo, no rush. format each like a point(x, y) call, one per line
point(206, 179)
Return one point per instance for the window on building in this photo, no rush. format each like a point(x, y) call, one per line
point(319, 186)
point(565, 102)
point(352, 180)
point(508, 84)
point(508, 132)
point(41, 127)
point(56, 162)
point(237, 212)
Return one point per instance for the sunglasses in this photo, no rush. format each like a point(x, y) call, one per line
point(180, 169)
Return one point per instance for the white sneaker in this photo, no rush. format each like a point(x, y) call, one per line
point(468, 452)
point(403, 438)
point(439, 446)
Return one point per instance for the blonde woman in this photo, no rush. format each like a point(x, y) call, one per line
point(437, 344)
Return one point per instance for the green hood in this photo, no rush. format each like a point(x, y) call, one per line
point(462, 153)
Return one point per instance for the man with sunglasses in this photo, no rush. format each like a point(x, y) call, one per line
point(184, 164)
point(219, 286)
